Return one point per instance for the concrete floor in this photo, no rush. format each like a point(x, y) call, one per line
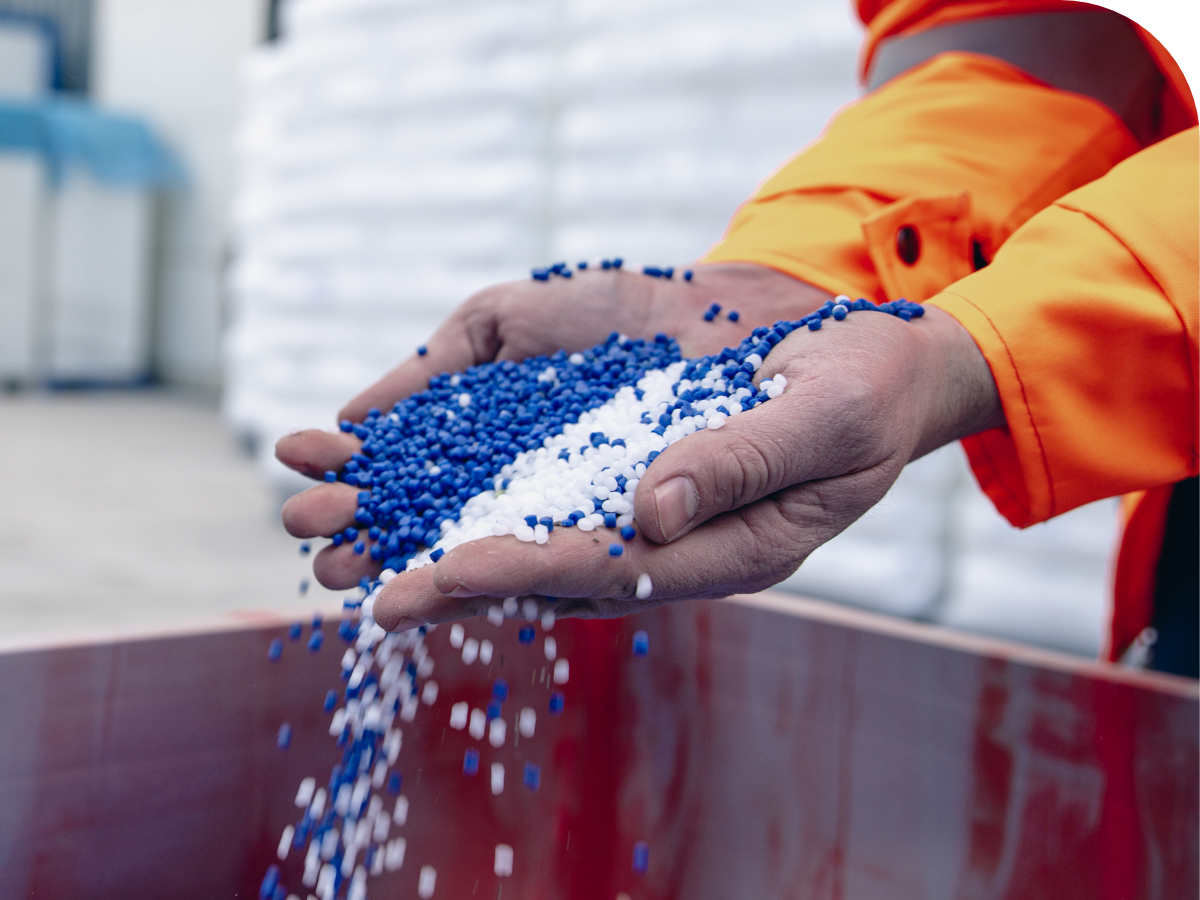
point(134, 509)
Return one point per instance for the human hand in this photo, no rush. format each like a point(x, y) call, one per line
point(523, 319)
point(739, 508)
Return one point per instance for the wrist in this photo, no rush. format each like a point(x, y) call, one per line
point(959, 395)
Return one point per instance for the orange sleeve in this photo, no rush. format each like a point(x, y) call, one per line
point(891, 18)
point(969, 145)
point(1088, 320)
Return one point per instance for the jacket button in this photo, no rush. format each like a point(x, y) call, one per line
point(908, 244)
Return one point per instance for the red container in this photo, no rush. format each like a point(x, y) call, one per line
point(764, 747)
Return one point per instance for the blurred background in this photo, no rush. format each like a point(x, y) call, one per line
point(221, 218)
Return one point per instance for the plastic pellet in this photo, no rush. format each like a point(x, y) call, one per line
point(645, 587)
point(532, 776)
point(275, 650)
point(457, 634)
point(295, 630)
point(497, 779)
point(471, 762)
point(628, 533)
point(422, 350)
point(331, 699)
point(526, 634)
point(283, 739)
point(615, 549)
point(641, 643)
point(315, 641)
point(734, 315)
point(526, 722)
point(641, 857)
point(562, 671)
point(557, 703)
point(551, 649)
point(500, 690)
point(503, 866)
point(426, 882)
point(497, 732)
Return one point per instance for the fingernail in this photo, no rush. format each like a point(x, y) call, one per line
point(676, 502)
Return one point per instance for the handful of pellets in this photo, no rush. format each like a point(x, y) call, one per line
point(520, 448)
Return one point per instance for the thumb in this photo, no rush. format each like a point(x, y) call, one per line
point(788, 441)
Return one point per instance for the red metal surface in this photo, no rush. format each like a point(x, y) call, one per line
point(760, 754)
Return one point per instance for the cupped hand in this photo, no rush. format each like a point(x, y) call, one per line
point(529, 318)
point(739, 508)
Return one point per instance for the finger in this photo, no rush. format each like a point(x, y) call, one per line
point(742, 551)
point(315, 452)
point(410, 599)
point(792, 439)
point(339, 568)
point(466, 338)
point(320, 511)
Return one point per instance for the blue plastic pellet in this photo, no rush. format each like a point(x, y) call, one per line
point(395, 780)
point(525, 635)
point(331, 477)
point(641, 857)
point(280, 893)
point(709, 315)
point(734, 315)
point(305, 548)
point(715, 308)
point(471, 762)
point(317, 619)
point(338, 539)
point(303, 586)
point(687, 275)
point(814, 324)
point(437, 554)
point(331, 698)
point(615, 549)
point(641, 643)
point(531, 521)
point(493, 710)
point(315, 642)
point(283, 740)
point(275, 650)
point(360, 548)
point(269, 883)
point(422, 350)
point(295, 630)
point(610, 520)
point(628, 533)
point(532, 776)
point(500, 690)
point(557, 702)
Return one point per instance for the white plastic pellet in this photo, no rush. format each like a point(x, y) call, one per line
point(318, 803)
point(285, 842)
point(530, 608)
point(551, 648)
point(400, 814)
point(470, 651)
point(348, 660)
point(379, 773)
point(338, 722)
point(562, 671)
point(427, 882)
point(392, 742)
point(329, 844)
point(379, 831)
point(429, 693)
point(497, 779)
point(305, 793)
point(644, 586)
point(408, 709)
point(327, 878)
point(458, 715)
point(377, 862)
point(585, 525)
point(495, 615)
point(548, 620)
point(394, 858)
point(478, 724)
point(510, 606)
point(485, 652)
point(387, 575)
point(496, 732)
point(425, 667)
point(540, 534)
point(457, 633)
point(527, 534)
point(504, 860)
point(527, 722)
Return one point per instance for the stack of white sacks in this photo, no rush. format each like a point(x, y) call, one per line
point(397, 155)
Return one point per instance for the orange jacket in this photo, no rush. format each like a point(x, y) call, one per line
point(976, 155)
